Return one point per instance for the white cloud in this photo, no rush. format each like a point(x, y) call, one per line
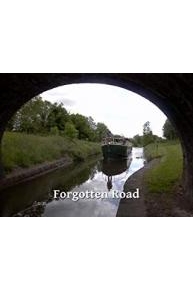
point(67, 102)
point(124, 112)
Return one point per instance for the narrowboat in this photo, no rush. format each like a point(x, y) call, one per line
point(114, 148)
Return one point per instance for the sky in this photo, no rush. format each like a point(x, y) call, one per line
point(123, 111)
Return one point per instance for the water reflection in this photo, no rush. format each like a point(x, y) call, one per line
point(35, 197)
point(114, 167)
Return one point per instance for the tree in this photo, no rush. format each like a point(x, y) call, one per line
point(82, 125)
point(137, 141)
point(46, 108)
point(70, 131)
point(58, 117)
point(169, 131)
point(102, 131)
point(147, 134)
point(42, 117)
point(92, 123)
point(38, 116)
point(146, 129)
point(31, 117)
point(54, 131)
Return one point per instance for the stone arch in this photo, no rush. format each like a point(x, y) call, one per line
point(172, 93)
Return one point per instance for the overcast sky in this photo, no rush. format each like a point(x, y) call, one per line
point(124, 112)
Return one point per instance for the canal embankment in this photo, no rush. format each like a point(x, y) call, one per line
point(36, 197)
point(28, 156)
point(159, 183)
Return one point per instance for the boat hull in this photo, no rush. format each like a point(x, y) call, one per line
point(116, 151)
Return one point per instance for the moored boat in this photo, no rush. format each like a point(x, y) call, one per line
point(116, 148)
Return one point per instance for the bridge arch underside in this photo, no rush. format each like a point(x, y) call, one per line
point(172, 93)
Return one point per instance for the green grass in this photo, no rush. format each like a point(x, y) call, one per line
point(22, 150)
point(163, 177)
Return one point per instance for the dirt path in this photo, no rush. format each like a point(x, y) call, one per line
point(136, 207)
point(175, 204)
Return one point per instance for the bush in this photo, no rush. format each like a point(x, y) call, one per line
point(54, 131)
point(70, 131)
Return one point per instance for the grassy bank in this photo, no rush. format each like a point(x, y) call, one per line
point(167, 173)
point(22, 150)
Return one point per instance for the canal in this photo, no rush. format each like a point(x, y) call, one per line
point(36, 197)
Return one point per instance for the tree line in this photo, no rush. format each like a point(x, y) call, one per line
point(169, 133)
point(41, 117)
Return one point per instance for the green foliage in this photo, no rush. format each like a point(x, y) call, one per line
point(169, 131)
point(88, 130)
point(146, 129)
point(54, 131)
point(137, 141)
point(147, 134)
point(163, 177)
point(24, 150)
point(70, 131)
point(82, 126)
point(32, 117)
point(102, 131)
point(146, 138)
point(57, 117)
point(44, 118)
point(92, 123)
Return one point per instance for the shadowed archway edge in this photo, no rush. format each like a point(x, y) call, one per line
point(172, 93)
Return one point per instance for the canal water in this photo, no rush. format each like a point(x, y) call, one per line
point(36, 197)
